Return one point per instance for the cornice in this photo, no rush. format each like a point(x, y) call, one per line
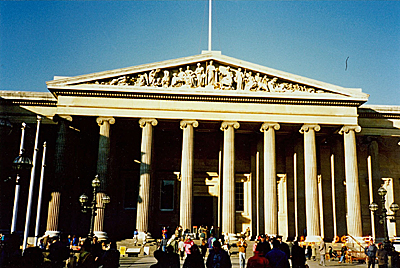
point(27, 102)
point(181, 96)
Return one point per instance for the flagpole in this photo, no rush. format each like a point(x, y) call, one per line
point(39, 205)
point(209, 25)
point(31, 186)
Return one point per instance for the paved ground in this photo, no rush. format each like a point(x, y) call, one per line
point(143, 262)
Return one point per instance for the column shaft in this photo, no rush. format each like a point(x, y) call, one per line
point(228, 180)
point(103, 157)
point(354, 222)
point(186, 205)
point(60, 169)
point(53, 214)
point(311, 182)
point(143, 205)
point(270, 183)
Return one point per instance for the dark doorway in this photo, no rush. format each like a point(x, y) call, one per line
point(203, 211)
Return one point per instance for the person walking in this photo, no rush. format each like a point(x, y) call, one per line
point(242, 246)
point(370, 251)
point(322, 252)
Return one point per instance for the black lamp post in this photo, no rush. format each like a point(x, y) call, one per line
point(383, 217)
point(84, 200)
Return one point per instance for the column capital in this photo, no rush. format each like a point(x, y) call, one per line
point(226, 124)
point(185, 123)
point(306, 127)
point(59, 117)
point(101, 119)
point(144, 121)
point(267, 125)
point(347, 129)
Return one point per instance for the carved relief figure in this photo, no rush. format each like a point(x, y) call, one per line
point(227, 77)
point(199, 75)
point(143, 80)
point(211, 74)
point(174, 81)
point(250, 82)
point(239, 79)
point(189, 78)
point(165, 79)
point(263, 85)
point(181, 77)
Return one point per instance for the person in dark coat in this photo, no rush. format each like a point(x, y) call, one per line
point(276, 257)
point(194, 259)
point(264, 245)
point(110, 258)
point(172, 258)
point(298, 256)
point(218, 258)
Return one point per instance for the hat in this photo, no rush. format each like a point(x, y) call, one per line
point(262, 236)
point(380, 244)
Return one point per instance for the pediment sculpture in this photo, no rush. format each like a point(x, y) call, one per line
point(208, 75)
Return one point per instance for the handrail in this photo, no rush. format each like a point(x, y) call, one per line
point(356, 241)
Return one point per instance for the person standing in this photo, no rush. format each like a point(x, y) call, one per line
point(181, 248)
point(276, 257)
point(322, 252)
point(110, 258)
point(194, 259)
point(258, 260)
point(264, 244)
point(298, 256)
point(382, 256)
point(218, 258)
point(242, 246)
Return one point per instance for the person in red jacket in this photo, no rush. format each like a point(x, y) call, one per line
point(258, 260)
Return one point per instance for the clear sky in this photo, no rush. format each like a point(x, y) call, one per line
point(41, 39)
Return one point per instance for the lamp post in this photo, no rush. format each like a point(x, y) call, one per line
point(383, 217)
point(84, 200)
point(21, 162)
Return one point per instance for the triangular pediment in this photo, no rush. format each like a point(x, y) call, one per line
point(209, 72)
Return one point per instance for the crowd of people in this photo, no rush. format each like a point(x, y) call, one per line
point(59, 252)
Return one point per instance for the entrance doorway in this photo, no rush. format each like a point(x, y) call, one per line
point(203, 213)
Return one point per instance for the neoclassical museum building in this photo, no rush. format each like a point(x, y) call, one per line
point(202, 140)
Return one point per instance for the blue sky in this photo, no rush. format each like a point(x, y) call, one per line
point(40, 39)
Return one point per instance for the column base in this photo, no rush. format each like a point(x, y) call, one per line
point(101, 235)
point(313, 238)
point(52, 233)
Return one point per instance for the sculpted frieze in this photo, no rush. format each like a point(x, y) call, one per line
point(208, 75)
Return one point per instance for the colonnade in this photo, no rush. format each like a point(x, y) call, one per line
point(228, 177)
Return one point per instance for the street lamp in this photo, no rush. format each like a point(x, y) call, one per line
point(93, 206)
point(21, 162)
point(383, 217)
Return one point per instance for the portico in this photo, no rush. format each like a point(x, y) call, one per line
point(274, 152)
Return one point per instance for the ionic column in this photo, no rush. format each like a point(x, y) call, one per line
point(354, 223)
point(143, 204)
point(311, 182)
point(228, 180)
point(60, 169)
point(103, 157)
point(186, 206)
point(270, 195)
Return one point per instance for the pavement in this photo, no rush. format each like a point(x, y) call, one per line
point(142, 262)
point(146, 261)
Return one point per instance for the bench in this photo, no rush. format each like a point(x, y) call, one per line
point(133, 252)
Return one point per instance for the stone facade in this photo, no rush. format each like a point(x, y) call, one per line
point(206, 140)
